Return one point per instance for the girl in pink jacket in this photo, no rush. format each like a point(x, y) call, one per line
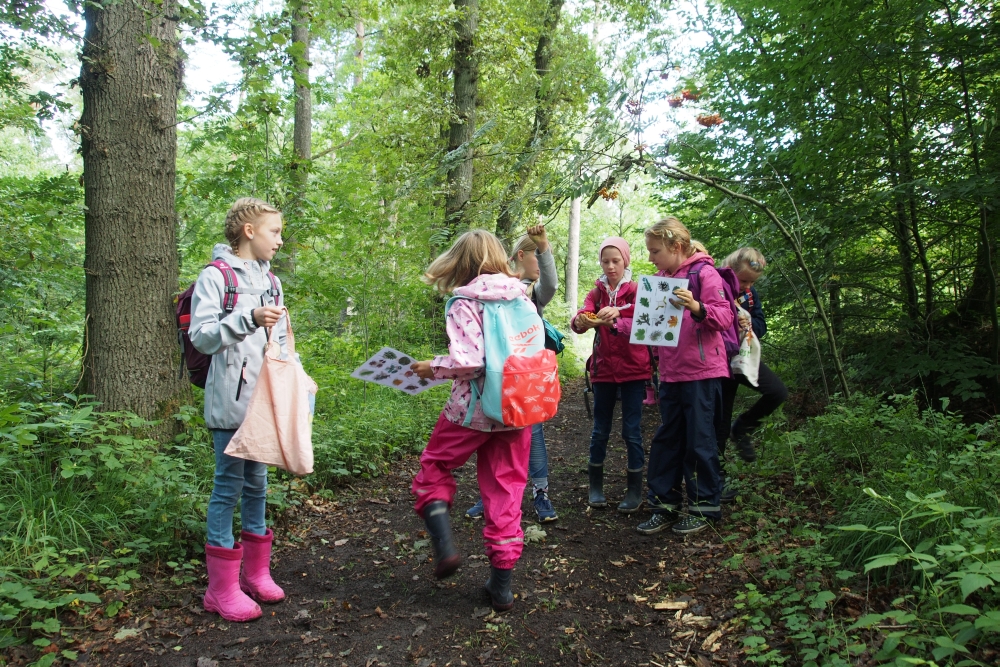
point(477, 266)
point(684, 447)
point(616, 367)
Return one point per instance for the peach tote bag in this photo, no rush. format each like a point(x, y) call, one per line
point(277, 429)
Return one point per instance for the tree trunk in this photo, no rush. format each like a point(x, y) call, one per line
point(301, 136)
point(463, 123)
point(130, 77)
point(573, 257)
point(359, 52)
point(543, 112)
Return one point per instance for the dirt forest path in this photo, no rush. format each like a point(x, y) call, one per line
point(360, 590)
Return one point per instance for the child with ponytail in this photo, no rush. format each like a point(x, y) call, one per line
point(474, 267)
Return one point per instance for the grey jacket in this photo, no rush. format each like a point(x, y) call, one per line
point(547, 283)
point(235, 343)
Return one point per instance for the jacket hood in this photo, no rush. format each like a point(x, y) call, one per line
point(492, 287)
point(602, 281)
point(690, 261)
point(225, 253)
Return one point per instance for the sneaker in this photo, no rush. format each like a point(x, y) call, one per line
point(543, 507)
point(659, 521)
point(476, 511)
point(729, 491)
point(745, 450)
point(690, 524)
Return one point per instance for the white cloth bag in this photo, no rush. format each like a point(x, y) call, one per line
point(747, 361)
point(277, 429)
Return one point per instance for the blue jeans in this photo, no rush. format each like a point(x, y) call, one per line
point(235, 478)
point(538, 461)
point(605, 396)
point(684, 448)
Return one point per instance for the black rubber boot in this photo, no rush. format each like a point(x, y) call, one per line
point(446, 557)
point(498, 586)
point(597, 498)
point(633, 496)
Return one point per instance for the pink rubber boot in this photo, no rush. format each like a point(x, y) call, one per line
point(224, 596)
point(256, 579)
point(650, 396)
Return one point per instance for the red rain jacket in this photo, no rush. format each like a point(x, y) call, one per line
point(615, 359)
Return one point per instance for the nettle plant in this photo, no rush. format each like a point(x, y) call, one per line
point(954, 606)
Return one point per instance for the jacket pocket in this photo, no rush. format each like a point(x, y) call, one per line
point(701, 350)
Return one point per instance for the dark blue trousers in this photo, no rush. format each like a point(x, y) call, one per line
point(684, 448)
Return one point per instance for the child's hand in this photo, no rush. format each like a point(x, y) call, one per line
point(609, 314)
point(584, 322)
point(685, 299)
point(537, 234)
point(267, 316)
point(423, 369)
point(745, 321)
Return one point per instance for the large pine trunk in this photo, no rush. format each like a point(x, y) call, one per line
point(130, 77)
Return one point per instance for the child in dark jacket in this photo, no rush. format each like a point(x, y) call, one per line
point(615, 365)
point(749, 265)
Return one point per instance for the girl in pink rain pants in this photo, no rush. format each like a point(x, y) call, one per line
point(475, 266)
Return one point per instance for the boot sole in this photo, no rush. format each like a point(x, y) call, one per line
point(502, 607)
point(257, 598)
point(630, 510)
point(215, 610)
point(447, 567)
point(691, 531)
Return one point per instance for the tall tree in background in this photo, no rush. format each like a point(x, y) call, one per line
point(543, 113)
point(463, 123)
point(130, 77)
point(301, 129)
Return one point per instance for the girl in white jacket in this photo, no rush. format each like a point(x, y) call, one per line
point(235, 335)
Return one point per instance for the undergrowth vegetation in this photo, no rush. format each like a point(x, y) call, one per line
point(889, 552)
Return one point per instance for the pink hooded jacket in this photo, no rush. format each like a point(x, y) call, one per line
point(700, 353)
point(466, 358)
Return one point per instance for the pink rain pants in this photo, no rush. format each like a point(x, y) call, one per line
point(502, 469)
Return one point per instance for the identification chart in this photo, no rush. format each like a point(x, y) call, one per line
point(656, 320)
point(391, 368)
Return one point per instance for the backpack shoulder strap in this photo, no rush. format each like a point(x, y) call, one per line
point(231, 294)
point(274, 292)
point(694, 283)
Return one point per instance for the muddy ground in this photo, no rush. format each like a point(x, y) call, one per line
point(360, 590)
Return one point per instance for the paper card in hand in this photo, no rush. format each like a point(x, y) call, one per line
point(391, 368)
point(657, 321)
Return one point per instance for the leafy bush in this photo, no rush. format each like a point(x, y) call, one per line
point(83, 495)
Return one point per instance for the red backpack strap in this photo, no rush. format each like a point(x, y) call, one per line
point(275, 294)
point(232, 283)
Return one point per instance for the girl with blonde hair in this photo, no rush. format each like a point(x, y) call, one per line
point(748, 264)
point(684, 447)
point(232, 327)
point(532, 260)
point(474, 267)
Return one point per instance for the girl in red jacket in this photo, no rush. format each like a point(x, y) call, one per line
point(684, 446)
point(615, 365)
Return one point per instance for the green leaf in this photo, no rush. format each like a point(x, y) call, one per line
point(948, 642)
point(972, 582)
point(881, 561)
point(821, 599)
point(963, 609)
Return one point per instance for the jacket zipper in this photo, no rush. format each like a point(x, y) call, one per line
point(701, 350)
point(243, 377)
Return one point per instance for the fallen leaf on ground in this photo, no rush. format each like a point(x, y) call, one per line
point(125, 633)
point(534, 534)
point(207, 662)
point(340, 543)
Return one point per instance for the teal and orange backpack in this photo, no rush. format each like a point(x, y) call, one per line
point(522, 377)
